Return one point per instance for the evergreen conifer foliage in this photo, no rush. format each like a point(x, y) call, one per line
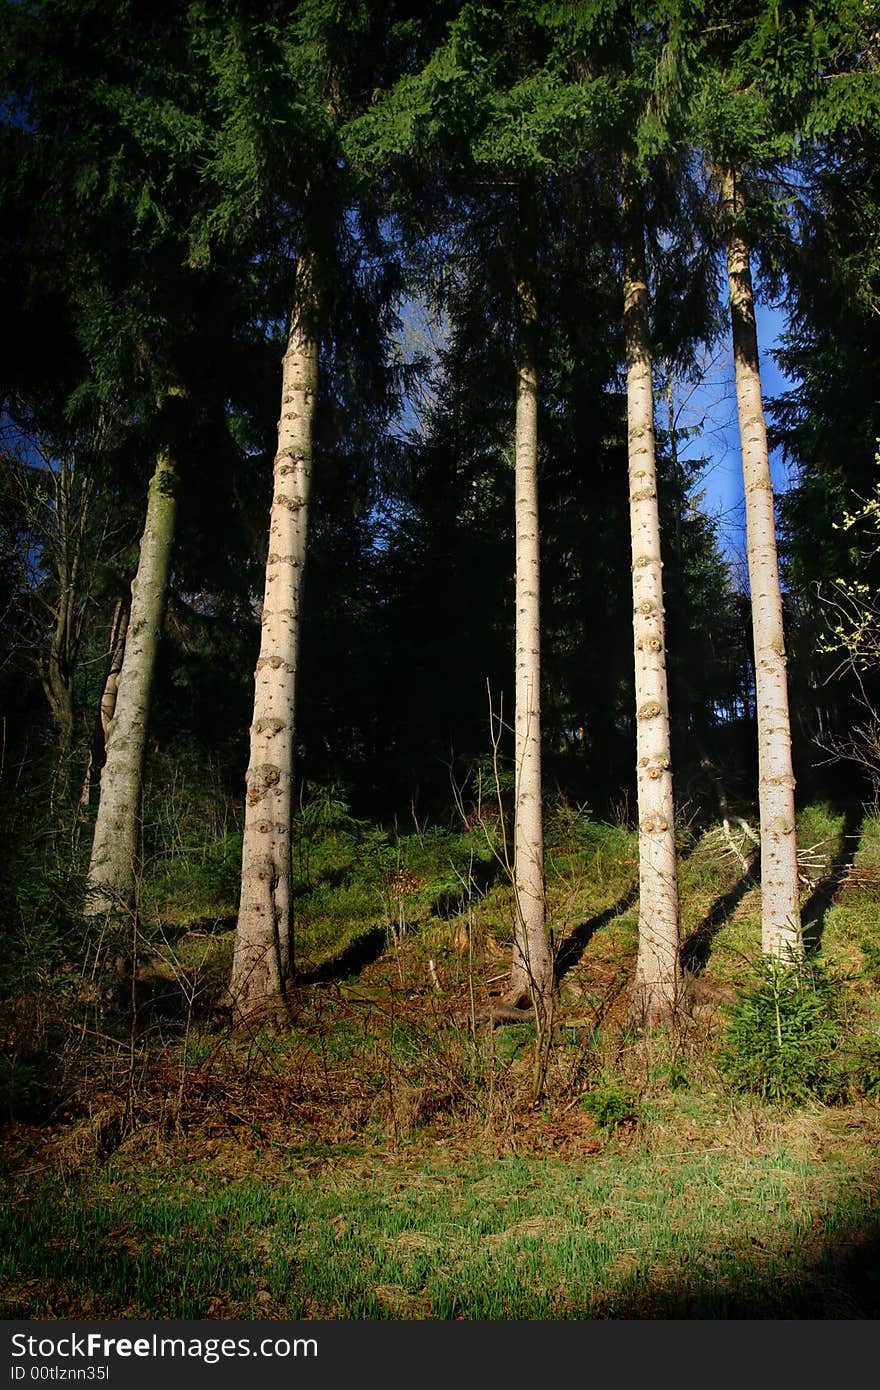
point(828, 422)
point(236, 173)
point(122, 117)
point(106, 153)
point(489, 107)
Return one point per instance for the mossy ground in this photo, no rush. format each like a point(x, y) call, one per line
point(383, 1160)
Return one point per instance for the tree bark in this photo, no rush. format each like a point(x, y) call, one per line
point(262, 960)
point(118, 631)
point(113, 864)
point(780, 913)
point(532, 966)
point(58, 690)
point(107, 707)
point(70, 514)
point(657, 981)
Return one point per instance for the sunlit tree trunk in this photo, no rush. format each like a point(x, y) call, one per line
point(532, 971)
point(263, 944)
point(657, 967)
point(113, 863)
point(780, 914)
point(107, 707)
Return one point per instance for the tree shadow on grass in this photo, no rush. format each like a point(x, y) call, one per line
point(697, 949)
point(824, 892)
point(573, 946)
point(362, 951)
point(838, 1278)
point(366, 948)
point(326, 878)
point(483, 875)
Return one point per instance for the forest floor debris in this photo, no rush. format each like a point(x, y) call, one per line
point(381, 1160)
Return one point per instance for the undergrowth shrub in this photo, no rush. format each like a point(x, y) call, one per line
point(859, 1069)
point(43, 948)
point(611, 1105)
point(783, 1033)
point(17, 1078)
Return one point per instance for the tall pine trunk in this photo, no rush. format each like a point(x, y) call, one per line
point(780, 911)
point(263, 941)
point(532, 968)
point(657, 979)
point(113, 863)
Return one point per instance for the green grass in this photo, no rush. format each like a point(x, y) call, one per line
point(378, 1161)
point(714, 1233)
point(348, 880)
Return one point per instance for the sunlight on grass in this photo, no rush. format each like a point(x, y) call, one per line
point(381, 1159)
point(708, 1234)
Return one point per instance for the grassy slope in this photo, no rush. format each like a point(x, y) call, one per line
point(382, 1161)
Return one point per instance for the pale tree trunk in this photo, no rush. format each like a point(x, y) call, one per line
point(657, 979)
point(263, 941)
point(107, 707)
point(780, 912)
point(113, 864)
point(532, 966)
point(110, 692)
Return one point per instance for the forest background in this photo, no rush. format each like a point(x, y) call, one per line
point(457, 241)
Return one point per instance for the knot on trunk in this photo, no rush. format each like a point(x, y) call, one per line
point(652, 823)
point(262, 780)
point(269, 726)
point(275, 663)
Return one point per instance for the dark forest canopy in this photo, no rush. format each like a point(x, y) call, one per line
point(162, 167)
point(432, 855)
